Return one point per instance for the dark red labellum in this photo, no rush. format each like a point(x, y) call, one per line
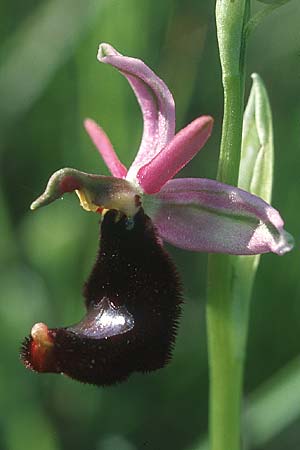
point(133, 299)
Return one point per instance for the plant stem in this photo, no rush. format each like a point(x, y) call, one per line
point(229, 160)
point(227, 315)
point(225, 368)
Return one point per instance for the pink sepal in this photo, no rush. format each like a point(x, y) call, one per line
point(208, 216)
point(155, 99)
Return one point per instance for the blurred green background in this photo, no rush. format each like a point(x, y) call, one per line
point(50, 81)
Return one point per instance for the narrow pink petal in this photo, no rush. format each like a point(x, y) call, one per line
point(105, 148)
point(155, 100)
point(175, 155)
point(205, 215)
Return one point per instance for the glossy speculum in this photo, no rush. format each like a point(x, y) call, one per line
point(132, 297)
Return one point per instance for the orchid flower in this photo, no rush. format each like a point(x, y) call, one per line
point(133, 295)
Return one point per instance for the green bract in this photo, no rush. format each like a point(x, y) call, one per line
point(256, 166)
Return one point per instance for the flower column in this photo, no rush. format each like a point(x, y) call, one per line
point(226, 349)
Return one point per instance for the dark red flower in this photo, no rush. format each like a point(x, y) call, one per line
point(132, 298)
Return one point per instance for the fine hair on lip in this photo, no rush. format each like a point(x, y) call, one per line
point(133, 301)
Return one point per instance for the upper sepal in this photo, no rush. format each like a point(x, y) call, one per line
point(133, 299)
point(156, 102)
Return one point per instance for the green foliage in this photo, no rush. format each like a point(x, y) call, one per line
point(49, 82)
point(257, 156)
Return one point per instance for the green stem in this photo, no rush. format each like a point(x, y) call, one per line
point(227, 319)
point(226, 369)
point(231, 129)
point(229, 293)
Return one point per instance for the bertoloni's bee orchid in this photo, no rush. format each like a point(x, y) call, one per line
point(133, 294)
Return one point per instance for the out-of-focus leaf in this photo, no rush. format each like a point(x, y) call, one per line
point(113, 442)
point(19, 432)
point(265, 11)
point(8, 247)
point(37, 50)
point(274, 2)
point(273, 406)
point(54, 247)
point(185, 54)
point(24, 299)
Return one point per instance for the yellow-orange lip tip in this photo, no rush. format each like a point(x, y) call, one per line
point(40, 334)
